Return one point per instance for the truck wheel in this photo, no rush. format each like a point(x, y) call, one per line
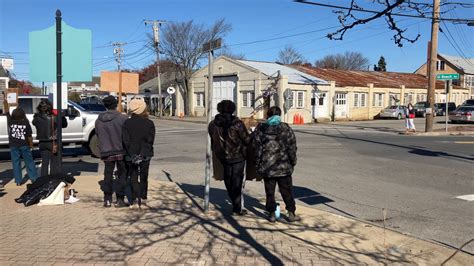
point(94, 146)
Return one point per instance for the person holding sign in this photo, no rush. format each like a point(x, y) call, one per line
point(21, 142)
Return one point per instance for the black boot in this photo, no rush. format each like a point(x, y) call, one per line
point(121, 203)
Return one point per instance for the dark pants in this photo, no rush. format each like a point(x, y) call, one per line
point(285, 184)
point(107, 185)
point(139, 187)
point(23, 152)
point(48, 158)
point(234, 180)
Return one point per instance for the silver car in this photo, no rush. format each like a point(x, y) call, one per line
point(394, 111)
point(462, 114)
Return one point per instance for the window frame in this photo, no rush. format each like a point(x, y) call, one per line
point(199, 99)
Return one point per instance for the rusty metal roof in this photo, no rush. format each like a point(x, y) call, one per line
point(353, 78)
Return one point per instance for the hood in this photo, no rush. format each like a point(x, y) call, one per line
point(271, 130)
point(109, 115)
point(224, 120)
point(274, 120)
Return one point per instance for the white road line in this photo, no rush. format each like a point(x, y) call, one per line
point(469, 197)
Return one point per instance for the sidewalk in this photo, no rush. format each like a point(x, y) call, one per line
point(173, 230)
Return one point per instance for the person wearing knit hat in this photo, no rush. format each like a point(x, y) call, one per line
point(138, 139)
point(137, 106)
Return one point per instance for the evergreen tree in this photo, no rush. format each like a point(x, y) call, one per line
point(381, 65)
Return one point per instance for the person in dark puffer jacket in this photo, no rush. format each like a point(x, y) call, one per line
point(108, 127)
point(229, 138)
point(275, 158)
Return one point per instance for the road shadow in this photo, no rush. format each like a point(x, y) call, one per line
point(411, 149)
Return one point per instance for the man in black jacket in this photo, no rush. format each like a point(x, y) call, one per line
point(229, 138)
point(275, 158)
point(108, 128)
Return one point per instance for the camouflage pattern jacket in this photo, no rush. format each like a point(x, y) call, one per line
point(275, 150)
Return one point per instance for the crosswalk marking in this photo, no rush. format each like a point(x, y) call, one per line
point(469, 197)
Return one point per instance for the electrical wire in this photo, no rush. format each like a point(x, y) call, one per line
point(454, 44)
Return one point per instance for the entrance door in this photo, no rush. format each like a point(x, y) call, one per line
point(224, 88)
point(341, 104)
point(322, 107)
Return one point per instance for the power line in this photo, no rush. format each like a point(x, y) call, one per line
point(358, 9)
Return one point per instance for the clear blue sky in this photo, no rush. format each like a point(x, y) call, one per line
point(121, 20)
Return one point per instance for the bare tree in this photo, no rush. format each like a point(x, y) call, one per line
point(182, 44)
point(356, 14)
point(290, 55)
point(227, 52)
point(346, 61)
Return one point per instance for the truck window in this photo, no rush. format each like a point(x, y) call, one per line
point(26, 104)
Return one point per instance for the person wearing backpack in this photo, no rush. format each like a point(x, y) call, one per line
point(20, 141)
point(108, 127)
point(229, 140)
point(274, 143)
point(138, 139)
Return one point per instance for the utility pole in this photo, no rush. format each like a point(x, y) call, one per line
point(59, 88)
point(156, 40)
point(209, 47)
point(433, 56)
point(118, 51)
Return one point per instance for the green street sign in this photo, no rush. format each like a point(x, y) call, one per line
point(76, 54)
point(447, 76)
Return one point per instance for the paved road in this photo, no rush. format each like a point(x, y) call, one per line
point(351, 169)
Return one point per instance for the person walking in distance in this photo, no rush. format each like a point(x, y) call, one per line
point(411, 117)
point(229, 138)
point(108, 128)
point(45, 123)
point(138, 138)
point(20, 142)
point(275, 158)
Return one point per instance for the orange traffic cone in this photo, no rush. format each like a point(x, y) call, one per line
point(301, 120)
point(294, 119)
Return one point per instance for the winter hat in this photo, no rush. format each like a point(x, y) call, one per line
point(110, 102)
point(137, 106)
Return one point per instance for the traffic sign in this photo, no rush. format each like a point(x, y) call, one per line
point(171, 90)
point(447, 76)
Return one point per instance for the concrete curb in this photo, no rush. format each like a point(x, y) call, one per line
point(434, 134)
point(179, 120)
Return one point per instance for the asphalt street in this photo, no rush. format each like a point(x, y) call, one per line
point(352, 169)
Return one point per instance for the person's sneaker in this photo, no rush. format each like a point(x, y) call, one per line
point(121, 204)
point(143, 202)
point(272, 218)
point(136, 205)
point(292, 217)
point(240, 213)
point(107, 204)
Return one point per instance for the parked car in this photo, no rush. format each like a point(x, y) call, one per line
point(440, 108)
point(394, 111)
point(462, 114)
point(80, 129)
point(468, 102)
point(420, 109)
point(93, 107)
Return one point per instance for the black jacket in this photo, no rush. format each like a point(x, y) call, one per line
point(139, 136)
point(18, 132)
point(275, 150)
point(42, 122)
point(229, 138)
point(108, 128)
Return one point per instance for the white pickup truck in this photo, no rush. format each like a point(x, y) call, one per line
point(80, 129)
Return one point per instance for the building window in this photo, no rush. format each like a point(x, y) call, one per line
point(248, 99)
point(341, 99)
point(408, 98)
point(378, 100)
point(199, 96)
point(300, 99)
point(321, 99)
point(394, 98)
point(360, 99)
point(440, 65)
point(469, 81)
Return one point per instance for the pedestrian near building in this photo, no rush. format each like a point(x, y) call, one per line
point(229, 140)
point(45, 123)
point(411, 117)
point(138, 139)
point(275, 158)
point(20, 141)
point(108, 127)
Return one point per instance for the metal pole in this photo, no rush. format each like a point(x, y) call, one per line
point(208, 149)
point(59, 77)
point(160, 108)
point(432, 65)
point(448, 87)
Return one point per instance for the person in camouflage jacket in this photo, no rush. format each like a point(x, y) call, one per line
point(275, 158)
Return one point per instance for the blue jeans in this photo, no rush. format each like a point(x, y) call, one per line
point(23, 152)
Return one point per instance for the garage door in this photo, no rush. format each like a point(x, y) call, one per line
point(224, 88)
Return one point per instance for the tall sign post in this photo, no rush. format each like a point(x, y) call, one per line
point(59, 78)
point(447, 78)
point(209, 47)
point(60, 54)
